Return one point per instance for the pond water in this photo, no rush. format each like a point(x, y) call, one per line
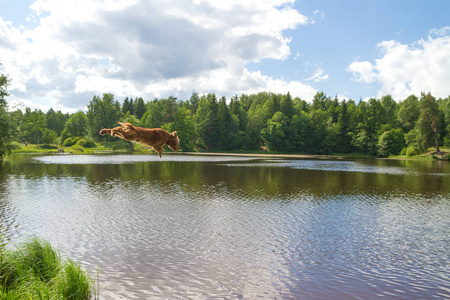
point(229, 227)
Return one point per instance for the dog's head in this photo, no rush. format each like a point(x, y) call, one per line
point(173, 141)
point(104, 131)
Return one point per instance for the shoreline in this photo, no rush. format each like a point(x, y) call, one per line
point(444, 156)
point(268, 155)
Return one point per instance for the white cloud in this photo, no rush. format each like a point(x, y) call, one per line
point(79, 48)
point(362, 71)
point(318, 76)
point(403, 70)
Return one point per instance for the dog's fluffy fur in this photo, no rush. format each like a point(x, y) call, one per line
point(156, 137)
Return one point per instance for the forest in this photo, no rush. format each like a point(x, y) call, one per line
point(257, 122)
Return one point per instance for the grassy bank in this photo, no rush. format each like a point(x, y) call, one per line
point(35, 271)
point(430, 154)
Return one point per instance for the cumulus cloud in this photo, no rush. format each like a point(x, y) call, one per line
point(79, 48)
point(402, 70)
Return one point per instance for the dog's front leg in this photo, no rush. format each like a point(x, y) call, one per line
point(119, 132)
point(105, 131)
point(158, 149)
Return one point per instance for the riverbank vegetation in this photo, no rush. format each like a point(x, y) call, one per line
point(262, 122)
point(36, 271)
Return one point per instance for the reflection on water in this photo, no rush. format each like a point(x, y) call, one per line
point(231, 227)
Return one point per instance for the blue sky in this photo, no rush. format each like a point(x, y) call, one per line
point(61, 53)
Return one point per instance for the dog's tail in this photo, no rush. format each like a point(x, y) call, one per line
point(126, 125)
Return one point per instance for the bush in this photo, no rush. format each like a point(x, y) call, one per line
point(89, 144)
point(46, 146)
point(412, 150)
point(35, 271)
point(391, 142)
point(403, 152)
point(123, 145)
point(69, 142)
point(15, 146)
point(49, 136)
point(86, 143)
point(447, 141)
point(78, 147)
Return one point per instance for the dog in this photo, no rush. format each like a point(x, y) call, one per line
point(156, 137)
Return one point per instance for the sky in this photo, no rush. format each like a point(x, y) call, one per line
point(59, 54)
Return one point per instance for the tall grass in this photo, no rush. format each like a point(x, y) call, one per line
point(35, 271)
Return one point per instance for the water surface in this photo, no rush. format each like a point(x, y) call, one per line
point(202, 227)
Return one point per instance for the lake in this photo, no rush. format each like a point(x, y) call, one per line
point(230, 227)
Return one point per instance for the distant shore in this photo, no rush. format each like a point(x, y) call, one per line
point(442, 156)
point(268, 155)
point(445, 153)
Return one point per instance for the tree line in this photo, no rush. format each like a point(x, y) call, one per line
point(269, 121)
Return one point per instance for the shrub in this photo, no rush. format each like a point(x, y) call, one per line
point(447, 141)
point(403, 152)
point(15, 146)
point(80, 142)
point(35, 271)
point(47, 146)
point(391, 142)
point(122, 145)
point(86, 143)
point(89, 144)
point(49, 136)
point(78, 147)
point(412, 150)
point(70, 141)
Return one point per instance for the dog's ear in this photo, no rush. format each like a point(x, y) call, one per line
point(174, 134)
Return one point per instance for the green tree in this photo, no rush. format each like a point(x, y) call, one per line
point(169, 108)
point(444, 106)
point(35, 124)
point(56, 120)
point(258, 115)
point(76, 126)
point(238, 110)
point(391, 142)
point(224, 126)
point(129, 118)
point(408, 113)
point(5, 126)
point(276, 134)
point(287, 106)
point(128, 106)
point(206, 119)
point(49, 136)
point(389, 111)
point(185, 126)
point(139, 107)
point(153, 117)
point(299, 136)
point(271, 106)
point(17, 119)
point(369, 117)
point(320, 101)
point(427, 122)
point(320, 134)
point(102, 113)
point(193, 103)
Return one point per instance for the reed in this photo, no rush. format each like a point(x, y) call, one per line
point(35, 270)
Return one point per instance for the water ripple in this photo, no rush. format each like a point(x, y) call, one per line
point(163, 237)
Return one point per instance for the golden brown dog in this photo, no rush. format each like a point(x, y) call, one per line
point(155, 137)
